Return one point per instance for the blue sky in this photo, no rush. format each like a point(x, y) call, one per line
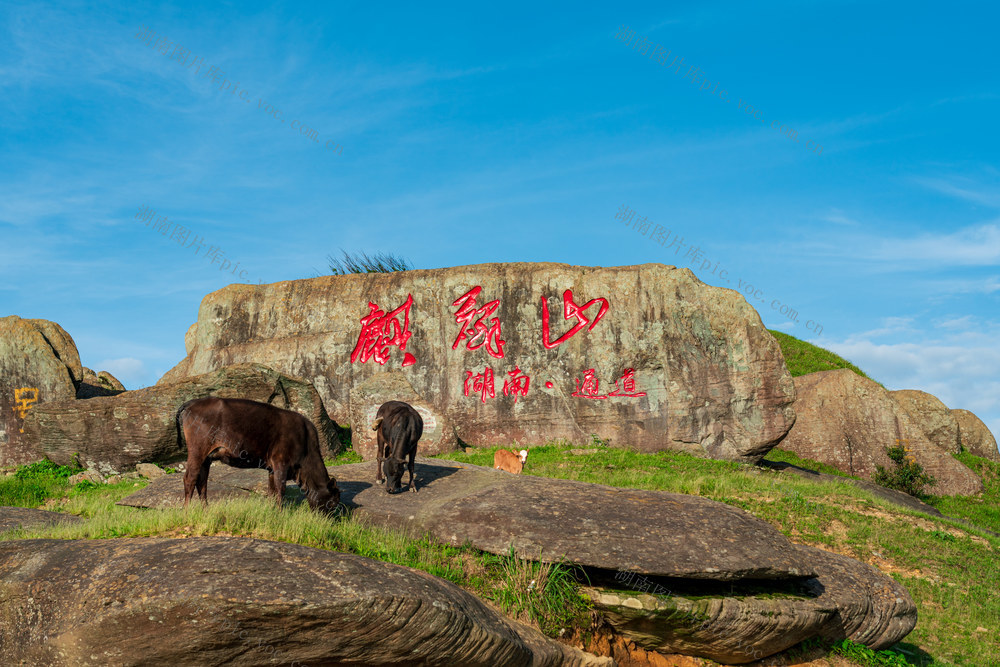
point(459, 134)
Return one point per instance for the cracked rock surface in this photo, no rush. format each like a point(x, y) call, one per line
point(238, 601)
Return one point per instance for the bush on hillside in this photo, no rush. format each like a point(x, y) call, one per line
point(906, 474)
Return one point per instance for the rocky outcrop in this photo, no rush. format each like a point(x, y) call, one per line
point(646, 356)
point(12, 518)
point(228, 600)
point(98, 384)
point(38, 363)
point(932, 416)
point(438, 435)
point(848, 421)
point(974, 436)
point(114, 433)
point(682, 542)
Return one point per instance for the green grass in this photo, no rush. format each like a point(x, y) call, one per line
point(779, 455)
point(802, 357)
point(33, 484)
point(981, 510)
point(949, 569)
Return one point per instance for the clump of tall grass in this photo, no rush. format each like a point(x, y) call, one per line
point(360, 262)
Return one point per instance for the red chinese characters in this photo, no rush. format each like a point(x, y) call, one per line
point(571, 310)
point(590, 388)
point(627, 381)
point(482, 384)
point(517, 383)
point(381, 331)
point(474, 328)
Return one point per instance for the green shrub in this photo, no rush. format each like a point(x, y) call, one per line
point(906, 475)
point(45, 469)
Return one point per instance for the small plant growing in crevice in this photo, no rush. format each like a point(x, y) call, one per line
point(906, 474)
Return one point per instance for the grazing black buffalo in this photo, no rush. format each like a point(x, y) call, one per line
point(399, 427)
point(249, 434)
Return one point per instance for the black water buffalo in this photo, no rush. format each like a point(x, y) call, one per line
point(249, 434)
point(399, 427)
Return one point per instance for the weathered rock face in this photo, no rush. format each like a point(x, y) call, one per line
point(846, 600)
point(38, 363)
point(974, 436)
point(647, 356)
point(438, 436)
point(12, 518)
point(932, 416)
point(848, 421)
point(114, 433)
point(227, 600)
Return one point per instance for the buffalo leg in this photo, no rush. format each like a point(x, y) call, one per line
point(276, 483)
point(413, 455)
point(190, 477)
point(379, 458)
point(201, 482)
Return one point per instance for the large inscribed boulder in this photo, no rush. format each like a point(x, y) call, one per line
point(646, 356)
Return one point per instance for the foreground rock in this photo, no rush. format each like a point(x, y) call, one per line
point(686, 541)
point(647, 356)
point(847, 600)
point(114, 433)
point(848, 421)
point(227, 600)
point(975, 437)
point(12, 518)
point(438, 435)
point(38, 363)
point(546, 519)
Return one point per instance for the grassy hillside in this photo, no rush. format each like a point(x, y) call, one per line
point(949, 568)
point(802, 357)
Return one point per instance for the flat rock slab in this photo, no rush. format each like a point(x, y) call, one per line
point(12, 518)
point(649, 532)
point(238, 601)
point(223, 482)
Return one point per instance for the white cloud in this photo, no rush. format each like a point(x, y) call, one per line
point(963, 371)
point(970, 246)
